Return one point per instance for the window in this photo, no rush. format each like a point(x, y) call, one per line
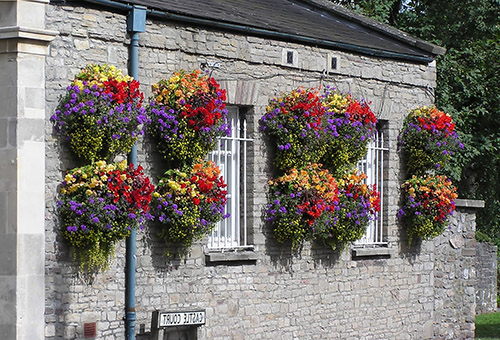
point(373, 166)
point(231, 157)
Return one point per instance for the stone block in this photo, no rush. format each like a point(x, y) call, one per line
point(7, 95)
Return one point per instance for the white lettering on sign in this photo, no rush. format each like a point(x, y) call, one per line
point(169, 319)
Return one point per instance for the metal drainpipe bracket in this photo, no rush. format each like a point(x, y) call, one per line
point(136, 19)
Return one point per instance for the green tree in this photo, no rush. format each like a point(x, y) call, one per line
point(468, 84)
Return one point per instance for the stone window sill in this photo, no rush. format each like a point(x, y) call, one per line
point(231, 257)
point(372, 252)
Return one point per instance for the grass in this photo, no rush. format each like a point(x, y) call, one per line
point(488, 326)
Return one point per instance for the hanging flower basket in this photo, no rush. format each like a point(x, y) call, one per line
point(300, 201)
point(294, 121)
point(187, 115)
point(428, 202)
point(101, 114)
point(188, 202)
point(350, 125)
point(99, 205)
point(428, 140)
point(357, 206)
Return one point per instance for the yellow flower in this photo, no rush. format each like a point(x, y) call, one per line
point(122, 165)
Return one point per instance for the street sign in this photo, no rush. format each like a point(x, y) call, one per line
point(174, 319)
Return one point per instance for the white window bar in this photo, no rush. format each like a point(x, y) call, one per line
point(231, 157)
point(373, 166)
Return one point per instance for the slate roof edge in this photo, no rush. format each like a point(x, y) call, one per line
point(380, 27)
point(322, 4)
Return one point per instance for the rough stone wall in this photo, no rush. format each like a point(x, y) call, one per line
point(454, 255)
point(316, 295)
point(486, 270)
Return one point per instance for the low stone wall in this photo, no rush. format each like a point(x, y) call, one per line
point(486, 268)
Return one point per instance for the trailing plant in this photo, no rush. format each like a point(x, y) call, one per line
point(299, 199)
point(294, 121)
point(101, 114)
point(187, 114)
point(428, 202)
point(349, 126)
point(188, 202)
point(428, 140)
point(99, 205)
point(357, 206)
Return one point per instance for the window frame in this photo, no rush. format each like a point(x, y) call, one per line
point(234, 148)
point(374, 165)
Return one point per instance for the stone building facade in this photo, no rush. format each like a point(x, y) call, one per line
point(392, 292)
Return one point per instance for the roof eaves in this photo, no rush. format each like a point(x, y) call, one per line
point(286, 36)
point(380, 27)
point(125, 5)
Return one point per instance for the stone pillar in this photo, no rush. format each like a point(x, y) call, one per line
point(23, 46)
point(455, 274)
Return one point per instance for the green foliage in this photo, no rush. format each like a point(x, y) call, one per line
point(470, 86)
point(488, 326)
point(342, 154)
point(380, 10)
